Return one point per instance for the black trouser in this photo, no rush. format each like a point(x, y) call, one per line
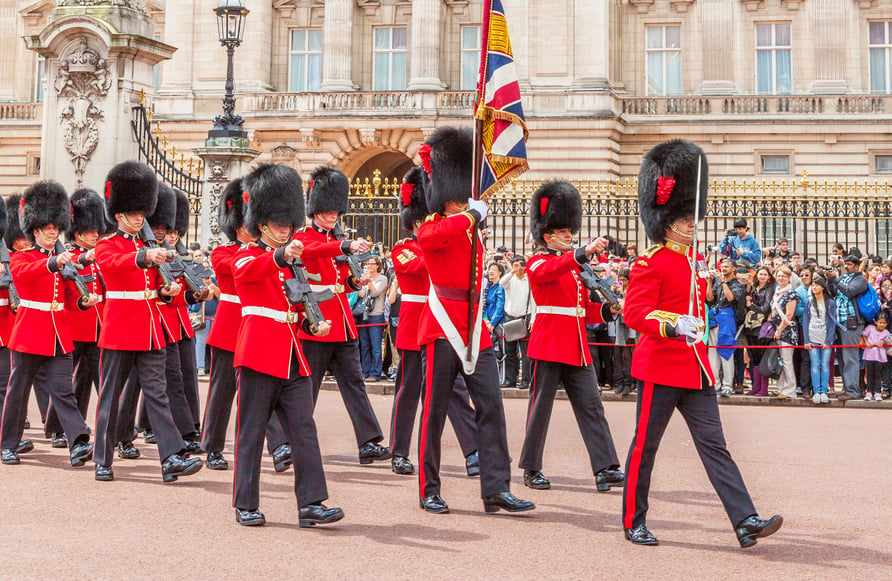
point(343, 359)
point(875, 372)
point(441, 366)
point(149, 367)
point(700, 410)
point(409, 380)
point(581, 386)
point(85, 359)
point(511, 359)
point(39, 392)
point(189, 373)
point(292, 401)
point(56, 380)
point(5, 368)
point(221, 393)
point(739, 367)
point(622, 367)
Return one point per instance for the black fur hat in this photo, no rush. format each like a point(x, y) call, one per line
point(275, 194)
point(413, 205)
point(13, 226)
point(3, 220)
point(181, 224)
point(45, 202)
point(231, 214)
point(87, 214)
point(667, 186)
point(329, 189)
point(555, 205)
point(448, 159)
point(165, 213)
point(130, 187)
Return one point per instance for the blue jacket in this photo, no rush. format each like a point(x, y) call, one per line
point(830, 320)
point(494, 310)
point(751, 249)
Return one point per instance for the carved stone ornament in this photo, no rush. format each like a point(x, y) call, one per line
point(139, 5)
point(216, 193)
point(283, 154)
point(219, 171)
point(82, 83)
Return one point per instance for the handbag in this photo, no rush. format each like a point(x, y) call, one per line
point(753, 320)
point(772, 365)
point(197, 319)
point(516, 329)
point(767, 330)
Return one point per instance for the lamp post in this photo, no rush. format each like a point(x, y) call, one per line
point(230, 29)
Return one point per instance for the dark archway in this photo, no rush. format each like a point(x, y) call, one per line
point(391, 164)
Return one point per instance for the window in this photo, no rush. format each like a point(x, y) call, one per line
point(775, 164)
point(305, 60)
point(39, 77)
point(470, 57)
point(390, 59)
point(882, 164)
point(663, 60)
point(774, 228)
point(880, 40)
point(773, 59)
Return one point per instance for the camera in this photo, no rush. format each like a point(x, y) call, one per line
point(731, 233)
point(498, 257)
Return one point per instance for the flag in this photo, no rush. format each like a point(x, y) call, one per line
point(504, 132)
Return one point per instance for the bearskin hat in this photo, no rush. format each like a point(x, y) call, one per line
point(87, 214)
point(13, 225)
point(555, 205)
point(329, 189)
point(448, 160)
point(3, 219)
point(413, 205)
point(231, 214)
point(130, 187)
point(165, 214)
point(667, 186)
point(275, 194)
point(181, 223)
point(45, 202)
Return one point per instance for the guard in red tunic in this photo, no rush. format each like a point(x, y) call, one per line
point(444, 333)
point(558, 348)
point(665, 305)
point(132, 336)
point(41, 340)
point(223, 337)
point(273, 373)
point(7, 317)
point(414, 280)
point(339, 350)
point(88, 223)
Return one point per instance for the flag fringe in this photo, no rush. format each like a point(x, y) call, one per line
point(502, 182)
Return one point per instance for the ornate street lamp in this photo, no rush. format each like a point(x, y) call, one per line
point(230, 29)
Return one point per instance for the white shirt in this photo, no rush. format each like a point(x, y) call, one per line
point(518, 301)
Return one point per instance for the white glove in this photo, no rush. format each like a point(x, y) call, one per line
point(479, 206)
point(689, 327)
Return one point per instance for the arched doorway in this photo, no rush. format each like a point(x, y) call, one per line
point(390, 164)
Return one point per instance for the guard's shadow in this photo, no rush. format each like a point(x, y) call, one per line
point(403, 535)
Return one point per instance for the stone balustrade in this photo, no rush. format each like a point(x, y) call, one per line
point(756, 105)
point(21, 111)
point(379, 102)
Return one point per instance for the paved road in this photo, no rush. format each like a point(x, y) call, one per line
point(826, 470)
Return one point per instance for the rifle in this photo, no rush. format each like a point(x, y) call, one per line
point(593, 283)
point(298, 291)
point(353, 261)
point(164, 270)
point(70, 273)
point(6, 281)
point(178, 269)
point(197, 268)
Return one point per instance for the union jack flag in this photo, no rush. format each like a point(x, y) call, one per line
point(504, 132)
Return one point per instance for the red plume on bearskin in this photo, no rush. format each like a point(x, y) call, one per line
point(556, 204)
point(231, 216)
point(451, 166)
point(413, 206)
point(131, 187)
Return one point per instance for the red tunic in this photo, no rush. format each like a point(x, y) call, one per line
point(554, 282)
point(264, 344)
point(320, 250)
point(85, 324)
point(175, 317)
point(129, 324)
point(7, 317)
point(659, 292)
point(411, 273)
point(446, 243)
point(224, 331)
point(40, 325)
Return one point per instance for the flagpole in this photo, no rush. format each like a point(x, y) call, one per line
point(472, 284)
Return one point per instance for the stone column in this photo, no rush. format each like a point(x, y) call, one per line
point(717, 39)
point(337, 41)
point(425, 49)
point(253, 60)
point(831, 24)
point(221, 164)
point(8, 58)
point(179, 31)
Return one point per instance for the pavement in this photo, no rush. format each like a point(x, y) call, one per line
point(826, 469)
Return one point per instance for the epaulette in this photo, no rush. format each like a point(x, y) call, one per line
point(650, 251)
point(304, 229)
point(431, 217)
point(109, 236)
point(402, 241)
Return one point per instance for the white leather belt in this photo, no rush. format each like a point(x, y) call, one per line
point(414, 298)
point(277, 316)
point(566, 311)
point(335, 288)
point(38, 306)
point(132, 295)
point(4, 302)
point(230, 298)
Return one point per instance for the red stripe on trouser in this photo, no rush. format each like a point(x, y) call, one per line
point(238, 425)
point(532, 395)
point(396, 398)
point(422, 437)
point(637, 451)
point(204, 419)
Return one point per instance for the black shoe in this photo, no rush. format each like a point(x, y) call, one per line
point(24, 447)
point(508, 385)
point(216, 461)
point(192, 446)
point(609, 477)
point(104, 473)
point(641, 536)
point(319, 514)
point(282, 458)
point(536, 480)
point(59, 440)
point(506, 501)
point(128, 451)
point(81, 453)
point(402, 465)
point(249, 518)
point(149, 437)
point(177, 465)
point(754, 527)
point(434, 504)
point(472, 464)
point(8, 456)
point(370, 451)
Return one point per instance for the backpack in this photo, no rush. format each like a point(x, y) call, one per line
point(869, 304)
point(802, 291)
